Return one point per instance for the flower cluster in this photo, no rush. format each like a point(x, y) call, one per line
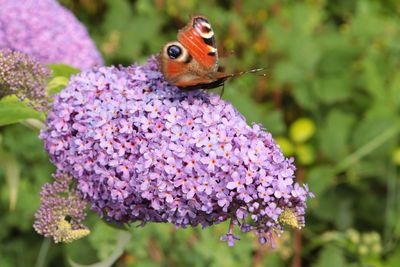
point(61, 212)
point(23, 76)
point(47, 31)
point(142, 150)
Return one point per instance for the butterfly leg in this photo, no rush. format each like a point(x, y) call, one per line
point(201, 83)
point(222, 91)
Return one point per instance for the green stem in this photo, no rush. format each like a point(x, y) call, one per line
point(44, 249)
point(34, 123)
point(366, 149)
point(391, 205)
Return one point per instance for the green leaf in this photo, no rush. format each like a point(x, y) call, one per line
point(302, 130)
point(44, 250)
point(243, 102)
point(379, 143)
point(127, 43)
point(394, 89)
point(305, 97)
point(12, 173)
point(320, 178)
point(12, 111)
point(331, 256)
point(56, 84)
point(344, 215)
point(335, 134)
point(63, 70)
point(394, 259)
point(286, 72)
point(330, 90)
point(60, 77)
point(273, 122)
point(122, 240)
point(305, 154)
point(373, 80)
point(103, 238)
point(371, 129)
point(337, 52)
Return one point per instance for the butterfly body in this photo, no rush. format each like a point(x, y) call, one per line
point(191, 62)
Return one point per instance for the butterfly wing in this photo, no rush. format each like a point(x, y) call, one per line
point(193, 58)
point(213, 80)
point(173, 68)
point(198, 38)
point(216, 79)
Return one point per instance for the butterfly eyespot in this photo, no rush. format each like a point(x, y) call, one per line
point(174, 51)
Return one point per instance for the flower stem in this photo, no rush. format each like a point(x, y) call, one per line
point(44, 249)
point(366, 149)
point(34, 123)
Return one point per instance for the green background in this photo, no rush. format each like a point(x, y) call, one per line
point(331, 98)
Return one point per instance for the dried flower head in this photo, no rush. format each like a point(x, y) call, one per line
point(141, 150)
point(61, 211)
point(23, 76)
point(47, 31)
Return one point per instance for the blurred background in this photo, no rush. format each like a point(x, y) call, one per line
point(331, 99)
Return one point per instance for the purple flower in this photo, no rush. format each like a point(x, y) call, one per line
point(23, 76)
point(210, 161)
point(61, 211)
point(163, 155)
point(230, 238)
point(48, 32)
point(237, 182)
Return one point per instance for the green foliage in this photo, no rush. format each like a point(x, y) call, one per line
point(12, 111)
point(59, 78)
point(334, 63)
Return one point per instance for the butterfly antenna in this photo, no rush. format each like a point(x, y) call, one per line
point(254, 71)
point(248, 71)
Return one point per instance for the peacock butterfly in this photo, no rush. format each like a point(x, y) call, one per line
point(191, 62)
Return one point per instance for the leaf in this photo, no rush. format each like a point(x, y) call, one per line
point(370, 131)
point(44, 250)
point(334, 136)
point(244, 103)
point(103, 238)
point(393, 259)
point(378, 143)
point(302, 130)
point(320, 178)
point(305, 97)
point(273, 122)
point(56, 84)
point(330, 90)
point(127, 43)
point(331, 256)
point(373, 80)
point(305, 154)
point(394, 90)
point(344, 214)
point(35, 124)
point(12, 173)
point(287, 72)
point(12, 111)
point(122, 239)
point(60, 77)
point(62, 70)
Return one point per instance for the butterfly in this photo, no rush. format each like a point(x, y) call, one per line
point(191, 62)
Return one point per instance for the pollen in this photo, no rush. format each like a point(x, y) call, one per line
point(66, 234)
point(288, 217)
